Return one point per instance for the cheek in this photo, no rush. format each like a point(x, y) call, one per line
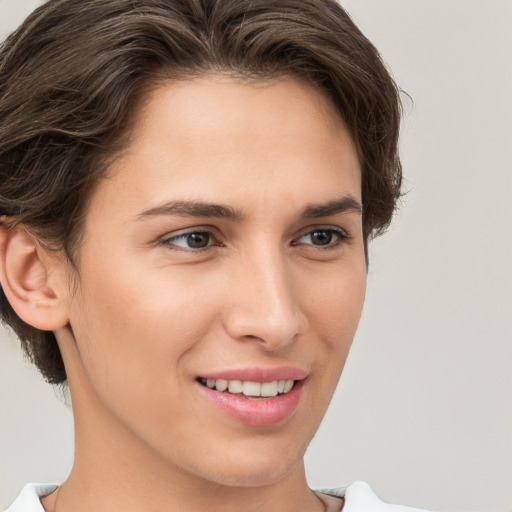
point(135, 325)
point(135, 337)
point(334, 303)
point(334, 310)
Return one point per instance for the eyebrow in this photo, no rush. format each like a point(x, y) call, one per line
point(193, 209)
point(203, 209)
point(343, 205)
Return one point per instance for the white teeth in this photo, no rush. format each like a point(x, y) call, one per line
point(235, 386)
point(249, 388)
point(269, 388)
point(221, 385)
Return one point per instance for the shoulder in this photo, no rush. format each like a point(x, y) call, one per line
point(29, 499)
point(360, 498)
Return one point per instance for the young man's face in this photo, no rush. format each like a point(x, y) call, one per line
point(226, 245)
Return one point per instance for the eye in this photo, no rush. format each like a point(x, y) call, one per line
point(322, 237)
point(195, 240)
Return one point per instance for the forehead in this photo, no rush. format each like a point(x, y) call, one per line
point(222, 138)
point(231, 97)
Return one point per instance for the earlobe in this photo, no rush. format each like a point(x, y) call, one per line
point(25, 271)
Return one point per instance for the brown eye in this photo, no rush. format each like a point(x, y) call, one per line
point(322, 237)
point(191, 240)
point(198, 240)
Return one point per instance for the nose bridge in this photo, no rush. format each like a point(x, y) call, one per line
point(265, 304)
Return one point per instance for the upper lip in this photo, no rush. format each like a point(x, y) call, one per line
point(258, 374)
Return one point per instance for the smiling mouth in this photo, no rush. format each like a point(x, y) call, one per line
point(249, 389)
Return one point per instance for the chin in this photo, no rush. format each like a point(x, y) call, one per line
point(249, 476)
point(256, 468)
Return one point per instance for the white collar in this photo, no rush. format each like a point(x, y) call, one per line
point(358, 498)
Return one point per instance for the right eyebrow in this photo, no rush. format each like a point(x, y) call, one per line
point(344, 204)
point(192, 209)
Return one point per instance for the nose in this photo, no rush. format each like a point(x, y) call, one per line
point(265, 305)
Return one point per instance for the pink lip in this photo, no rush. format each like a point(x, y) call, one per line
point(258, 374)
point(255, 411)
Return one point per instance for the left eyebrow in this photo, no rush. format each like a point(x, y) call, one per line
point(192, 209)
point(342, 205)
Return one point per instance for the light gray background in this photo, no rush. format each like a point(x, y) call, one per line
point(424, 409)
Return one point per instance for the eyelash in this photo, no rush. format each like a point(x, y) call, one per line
point(341, 237)
point(340, 234)
point(167, 242)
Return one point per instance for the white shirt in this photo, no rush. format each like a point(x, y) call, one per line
point(358, 498)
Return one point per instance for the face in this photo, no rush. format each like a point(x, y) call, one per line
point(225, 249)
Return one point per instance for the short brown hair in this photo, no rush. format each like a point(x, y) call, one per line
point(72, 74)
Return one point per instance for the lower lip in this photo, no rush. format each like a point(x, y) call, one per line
point(256, 411)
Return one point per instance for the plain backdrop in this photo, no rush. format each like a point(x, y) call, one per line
point(424, 407)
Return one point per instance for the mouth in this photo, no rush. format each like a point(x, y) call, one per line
point(249, 389)
point(255, 396)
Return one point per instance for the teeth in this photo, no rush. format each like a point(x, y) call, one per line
point(248, 388)
point(220, 384)
point(251, 389)
point(288, 385)
point(235, 386)
point(269, 388)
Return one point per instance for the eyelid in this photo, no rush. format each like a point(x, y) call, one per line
point(166, 239)
point(342, 234)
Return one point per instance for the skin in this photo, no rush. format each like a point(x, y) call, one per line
point(150, 314)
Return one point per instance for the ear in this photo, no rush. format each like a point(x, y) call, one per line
point(32, 279)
